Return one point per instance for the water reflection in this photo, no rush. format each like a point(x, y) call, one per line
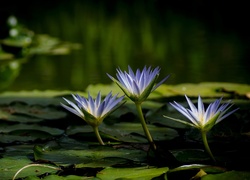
point(121, 33)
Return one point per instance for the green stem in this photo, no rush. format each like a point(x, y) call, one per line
point(32, 165)
point(144, 125)
point(96, 131)
point(204, 139)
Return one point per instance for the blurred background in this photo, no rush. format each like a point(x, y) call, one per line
point(194, 41)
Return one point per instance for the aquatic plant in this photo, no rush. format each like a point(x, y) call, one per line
point(203, 119)
point(137, 86)
point(93, 111)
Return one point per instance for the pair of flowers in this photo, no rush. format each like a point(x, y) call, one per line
point(137, 86)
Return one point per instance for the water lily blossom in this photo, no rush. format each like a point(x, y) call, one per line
point(93, 111)
point(137, 86)
point(203, 119)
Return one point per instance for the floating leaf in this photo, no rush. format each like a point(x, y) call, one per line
point(26, 132)
point(228, 175)
point(37, 111)
point(205, 89)
point(18, 150)
point(88, 157)
point(141, 173)
point(30, 118)
point(31, 127)
point(6, 116)
point(9, 166)
point(127, 132)
point(36, 97)
point(58, 177)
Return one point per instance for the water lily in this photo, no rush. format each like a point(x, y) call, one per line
point(93, 111)
point(203, 119)
point(137, 86)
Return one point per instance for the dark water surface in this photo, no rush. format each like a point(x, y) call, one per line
point(194, 42)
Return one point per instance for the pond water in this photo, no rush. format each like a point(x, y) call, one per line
point(200, 43)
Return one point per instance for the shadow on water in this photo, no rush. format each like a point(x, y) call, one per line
point(201, 42)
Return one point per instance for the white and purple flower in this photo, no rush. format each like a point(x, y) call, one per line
point(93, 111)
point(138, 85)
point(201, 118)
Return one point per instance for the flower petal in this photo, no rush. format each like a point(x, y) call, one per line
point(75, 108)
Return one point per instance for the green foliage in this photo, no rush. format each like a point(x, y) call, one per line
point(21, 44)
point(34, 128)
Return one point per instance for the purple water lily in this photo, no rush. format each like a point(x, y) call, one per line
point(138, 85)
point(203, 119)
point(93, 111)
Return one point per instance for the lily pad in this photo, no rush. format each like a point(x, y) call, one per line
point(128, 132)
point(18, 151)
point(57, 177)
point(7, 138)
point(35, 128)
point(140, 173)
point(29, 127)
point(36, 97)
point(9, 166)
point(123, 131)
point(6, 116)
point(36, 111)
point(88, 157)
point(228, 175)
point(205, 89)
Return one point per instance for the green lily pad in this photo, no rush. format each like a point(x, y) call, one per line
point(9, 166)
point(37, 111)
point(17, 151)
point(36, 97)
point(96, 156)
point(58, 177)
point(228, 175)
point(7, 138)
point(31, 127)
point(6, 116)
point(127, 132)
point(140, 173)
point(205, 89)
point(27, 132)
point(32, 118)
point(194, 171)
point(207, 168)
point(130, 131)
